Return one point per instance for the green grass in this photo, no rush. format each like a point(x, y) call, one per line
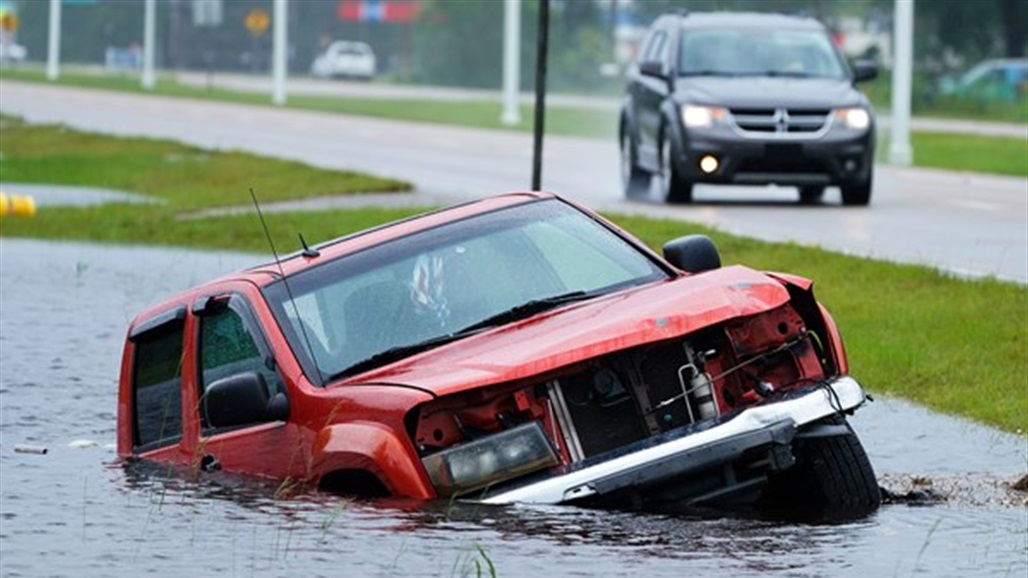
point(962, 152)
point(957, 346)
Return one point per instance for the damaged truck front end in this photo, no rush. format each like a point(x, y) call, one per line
point(746, 411)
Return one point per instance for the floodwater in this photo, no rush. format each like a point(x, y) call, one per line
point(75, 511)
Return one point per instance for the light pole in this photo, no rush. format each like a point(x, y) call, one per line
point(900, 152)
point(279, 48)
point(511, 61)
point(149, 37)
point(53, 45)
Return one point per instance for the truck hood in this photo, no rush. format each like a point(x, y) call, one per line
point(579, 332)
point(767, 92)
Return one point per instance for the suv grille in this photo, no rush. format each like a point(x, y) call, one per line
point(783, 123)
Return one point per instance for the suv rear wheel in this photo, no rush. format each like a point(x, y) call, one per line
point(673, 188)
point(634, 181)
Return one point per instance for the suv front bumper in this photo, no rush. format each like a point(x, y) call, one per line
point(829, 160)
point(727, 462)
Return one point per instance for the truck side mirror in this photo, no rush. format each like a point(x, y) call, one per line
point(242, 399)
point(693, 253)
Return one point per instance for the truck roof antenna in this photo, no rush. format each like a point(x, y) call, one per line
point(289, 292)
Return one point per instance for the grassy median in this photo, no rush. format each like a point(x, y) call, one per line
point(957, 346)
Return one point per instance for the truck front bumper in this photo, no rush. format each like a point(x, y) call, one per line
point(728, 462)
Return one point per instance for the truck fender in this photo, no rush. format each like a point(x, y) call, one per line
point(374, 448)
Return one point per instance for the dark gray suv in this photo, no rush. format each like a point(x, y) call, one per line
point(746, 98)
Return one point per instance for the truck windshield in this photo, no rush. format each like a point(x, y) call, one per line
point(470, 274)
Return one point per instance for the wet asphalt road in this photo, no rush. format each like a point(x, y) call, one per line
point(965, 223)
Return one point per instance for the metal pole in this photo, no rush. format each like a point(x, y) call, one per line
point(278, 51)
point(149, 37)
point(53, 49)
point(900, 152)
point(511, 61)
point(540, 93)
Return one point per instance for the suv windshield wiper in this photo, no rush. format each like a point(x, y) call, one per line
point(707, 72)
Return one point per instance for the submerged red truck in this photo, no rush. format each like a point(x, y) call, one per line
point(518, 348)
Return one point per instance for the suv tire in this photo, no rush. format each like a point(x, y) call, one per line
point(634, 181)
point(673, 188)
point(858, 194)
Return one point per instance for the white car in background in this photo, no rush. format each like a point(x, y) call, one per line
point(11, 52)
point(345, 59)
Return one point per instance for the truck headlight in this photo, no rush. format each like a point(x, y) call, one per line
point(696, 116)
point(489, 460)
point(855, 118)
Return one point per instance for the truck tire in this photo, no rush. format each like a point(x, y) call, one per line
point(833, 479)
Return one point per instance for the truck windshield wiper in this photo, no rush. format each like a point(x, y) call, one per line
point(527, 309)
point(399, 352)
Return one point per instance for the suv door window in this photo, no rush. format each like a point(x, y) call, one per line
point(157, 385)
point(230, 344)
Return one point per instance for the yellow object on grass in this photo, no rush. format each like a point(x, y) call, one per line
point(17, 205)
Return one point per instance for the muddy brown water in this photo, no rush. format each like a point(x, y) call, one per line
point(75, 511)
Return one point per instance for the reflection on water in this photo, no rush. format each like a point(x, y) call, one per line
point(77, 512)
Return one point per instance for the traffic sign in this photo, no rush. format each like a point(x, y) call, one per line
point(8, 21)
point(257, 21)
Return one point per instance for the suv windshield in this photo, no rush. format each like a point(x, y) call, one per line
point(750, 51)
point(422, 290)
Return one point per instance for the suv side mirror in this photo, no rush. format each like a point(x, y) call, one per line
point(652, 68)
point(864, 70)
point(242, 399)
point(693, 253)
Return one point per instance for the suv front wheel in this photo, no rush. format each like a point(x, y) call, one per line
point(858, 194)
point(634, 180)
point(673, 188)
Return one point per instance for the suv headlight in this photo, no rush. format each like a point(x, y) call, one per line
point(489, 460)
point(696, 116)
point(855, 118)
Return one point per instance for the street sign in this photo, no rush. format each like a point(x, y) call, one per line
point(8, 21)
point(257, 21)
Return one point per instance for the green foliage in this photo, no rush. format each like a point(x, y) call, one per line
point(459, 43)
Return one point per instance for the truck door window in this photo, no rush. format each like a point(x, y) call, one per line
point(230, 344)
point(157, 387)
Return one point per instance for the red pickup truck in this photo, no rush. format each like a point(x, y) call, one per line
point(518, 348)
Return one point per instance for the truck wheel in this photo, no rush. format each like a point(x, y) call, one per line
point(635, 182)
point(673, 188)
point(832, 479)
